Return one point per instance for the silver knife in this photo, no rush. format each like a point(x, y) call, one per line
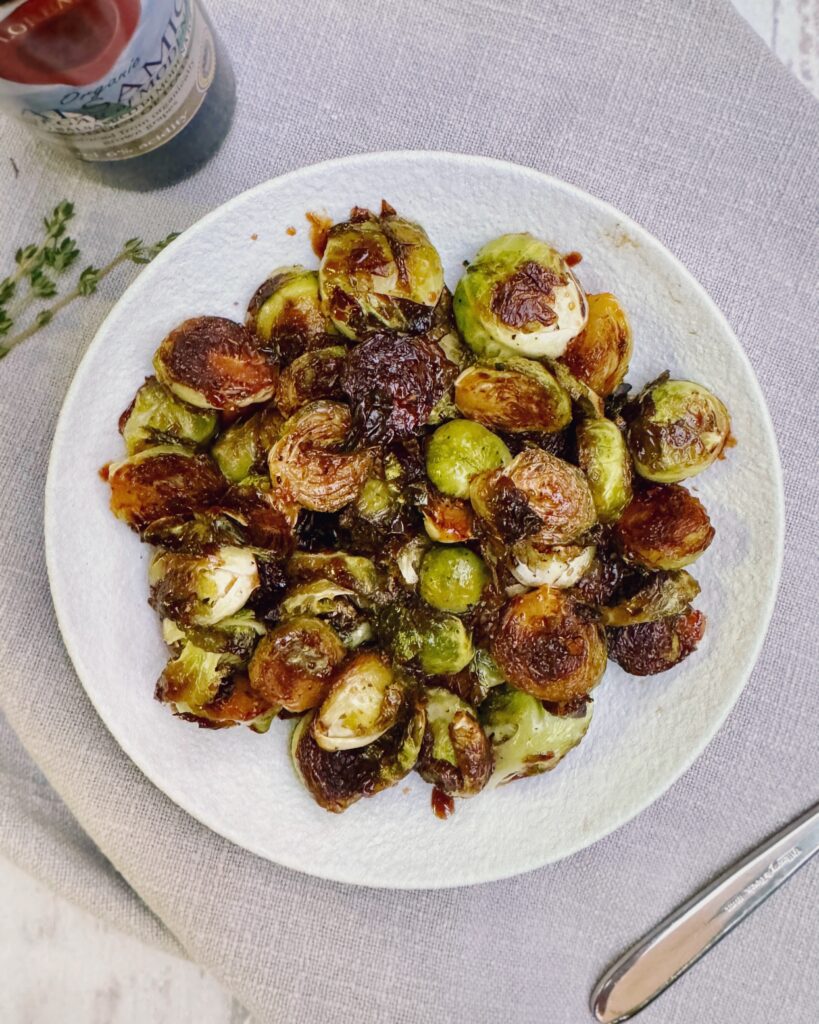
point(659, 958)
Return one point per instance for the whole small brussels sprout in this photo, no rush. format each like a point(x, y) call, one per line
point(519, 296)
point(455, 753)
point(166, 480)
point(554, 565)
point(286, 312)
point(527, 739)
point(452, 578)
point(311, 376)
point(447, 520)
point(518, 395)
point(200, 590)
point(446, 646)
point(664, 527)
point(214, 363)
point(293, 664)
point(676, 429)
point(604, 458)
point(648, 648)
point(548, 645)
point(380, 272)
point(157, 416)
point(362, 704)
point(459, 450)
point(242, 448)
point(664, 594)
point(599, 356)
point(337, 779)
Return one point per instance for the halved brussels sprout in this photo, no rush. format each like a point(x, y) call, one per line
point(166, 480)
point(603, 579)
point(195, 533)
point(191, 679)
point(585, 398)
point(519, 295)
point(676, 428)
point(319, 597)
point(242, 448)
point(311, 376)
point(537, 494)
point(600, 354)
point(446, 646)
point(664, 527)
point(293, 664)
point(157, 416)
point(200, 590)
point(604, 458)
point(286, 311)
point(526, 738)
point(355, 572)
point(664, 594)
point(455, 753)
point(553, 565)
point(214, 363)
point(336, 779)
point(380, 272)
point(517, 395)
point(447, 520)
point(268, 522)
point(237, 703)
point(304, 465)
point(452, 578)
point(652, 647)
point(460, 449)
point(234, 637)
point(364, 701)
point(549, 646)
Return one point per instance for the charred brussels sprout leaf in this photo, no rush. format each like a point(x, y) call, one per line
point(191, 679)
point(447, 520)
point(286, 312)
point(452, 578)
point(527, 739)
point(585, 398)
point(651, 647)
point(197, 533)
point(363, 703)
point(553, 565)
point(664, 527)
point(157, 416)
point(455, 753)
point(214, 363)
point(599, 356)
point(242, 448)
point(293, 664)
point(380, 272)
point(664, 594)
point(200, 590)
point(605, 460)
point(311, 376)
point(459, 450)
point(519, 296)
point(236, 703)
point(517, 396)
point(355, 572)
point(676, 428)
point(548, 645)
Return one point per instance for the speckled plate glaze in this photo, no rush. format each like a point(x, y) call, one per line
point(644, 734)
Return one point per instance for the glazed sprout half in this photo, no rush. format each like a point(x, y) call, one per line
point(455, 753)
point(661, 595)
point(293, 664)
point(651, 647)
point(664, 527)
point(363, 702)
point(311, 376)
point(519, 296)
point(518, 395)
point(157, 416)
point(599, 356)
point(604, 458)
point(460, 449)
point(286, 312)
point(199, 590)
point(380, 272)
point(242, 448)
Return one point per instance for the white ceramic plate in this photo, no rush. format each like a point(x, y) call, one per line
point(644, 734)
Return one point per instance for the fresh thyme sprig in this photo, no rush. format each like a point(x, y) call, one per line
point(38, 266)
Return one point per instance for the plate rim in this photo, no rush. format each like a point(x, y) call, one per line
point(653, 792)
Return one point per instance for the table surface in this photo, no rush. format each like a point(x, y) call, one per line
point(60, 965)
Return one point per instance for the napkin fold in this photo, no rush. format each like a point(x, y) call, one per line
point(676, 113)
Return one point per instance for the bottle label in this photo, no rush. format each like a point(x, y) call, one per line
point(157, 66)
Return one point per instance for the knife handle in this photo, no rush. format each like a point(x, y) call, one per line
point(658, 959)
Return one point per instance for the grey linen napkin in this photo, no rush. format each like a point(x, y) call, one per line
point(673, 111)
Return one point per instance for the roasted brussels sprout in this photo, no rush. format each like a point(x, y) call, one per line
point(236, 703)
point(339, 778)
point(452, 578)
point(157, 416)
point(200, 590)
point(447, 520)
point(293, 664)
point(676, 428)
point(519, 295)
point(516, 396)
point(195, 533)
point(549, 646)
point(234, 637)
point(286, 312)
point(603, 579)
point(305, 465)
point(311, 376)
point(166, 480)
point(455, 753)
point(600, 354)
point(363, 702)
point(214, 363)
point(355, 572)
point(652, 647)
point(460, 449)
point(380, 272)
point(553, 565)
point(526, 738)
point(538, 495)
point(487, 672)
point(585, 398)
point(393, 382)
point(242, 448)
point(409, 557)
point(664, 527)
point(191, 679)
point(663, 594)
point(604, 458)
point(446, 646)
